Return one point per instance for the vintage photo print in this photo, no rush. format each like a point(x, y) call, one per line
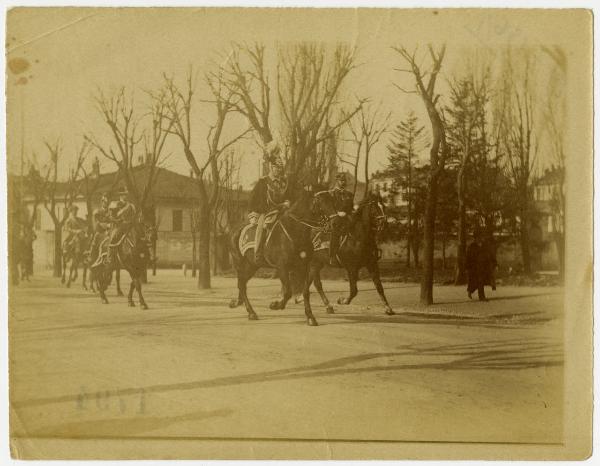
point(299, 233)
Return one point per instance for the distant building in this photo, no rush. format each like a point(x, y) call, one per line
point(173, 196)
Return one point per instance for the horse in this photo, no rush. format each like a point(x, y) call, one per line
point(287, 248)
point(357, 249)
point(132, 253)
point(90, 258)
point(73, 251)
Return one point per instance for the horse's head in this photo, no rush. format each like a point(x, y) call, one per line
point(372, 213)
point(323, 208)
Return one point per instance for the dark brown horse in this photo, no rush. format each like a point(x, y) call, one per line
point(73, 253)
point(358, 249)
point(288, 249)
point(133, 253)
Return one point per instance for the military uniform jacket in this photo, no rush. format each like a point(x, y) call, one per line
point(343, 200)
point(125, 213)
point(101, 219)
point(267, 194)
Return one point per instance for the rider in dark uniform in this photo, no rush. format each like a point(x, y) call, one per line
point(101, 224)
point(270, 193)
point(343, 201)
point(74, 226)
point(122, 216)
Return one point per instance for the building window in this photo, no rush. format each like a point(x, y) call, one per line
point(178, 220)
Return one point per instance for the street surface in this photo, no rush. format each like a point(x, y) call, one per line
point(458, 371)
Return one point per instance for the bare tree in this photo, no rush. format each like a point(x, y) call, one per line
point(52, 199)
point(425, 87)
point(555, 116)
point(517, 138)
point(204, 164)
point(308, 85)
point(89, 179)
point(127, 135)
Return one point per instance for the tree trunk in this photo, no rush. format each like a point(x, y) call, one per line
point(57, 272)
point(416, 246)
point(460, 277)
point(154, 241)
point(194, 254)
point(559, 239)
point(524, 238)
point(215, 252)
point(429, 240)
point(204, 248)
point(444, 251)
point(408, 237)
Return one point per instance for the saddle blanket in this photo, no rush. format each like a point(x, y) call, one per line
point(248, 234)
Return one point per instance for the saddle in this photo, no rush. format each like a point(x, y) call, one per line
point(248, 234)
point(103, 250)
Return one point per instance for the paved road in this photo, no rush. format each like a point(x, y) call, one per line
point(191, 367)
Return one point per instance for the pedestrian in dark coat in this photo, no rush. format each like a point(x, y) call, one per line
point(481, 262)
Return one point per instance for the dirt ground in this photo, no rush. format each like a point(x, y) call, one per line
point(191, 367)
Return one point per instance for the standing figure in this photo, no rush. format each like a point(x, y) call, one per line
point(480, 265)
point(343, 203)
point(270, 193)
point(122, 216)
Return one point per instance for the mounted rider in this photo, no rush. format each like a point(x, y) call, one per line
point(74, 226)
point(343, 201)
point(122, 216)
point(270, 193)
point(101, 224)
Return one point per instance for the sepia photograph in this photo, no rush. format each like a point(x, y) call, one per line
point(299, 233)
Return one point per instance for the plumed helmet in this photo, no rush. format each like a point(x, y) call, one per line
point(123, 192)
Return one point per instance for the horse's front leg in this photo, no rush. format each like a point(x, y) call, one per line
point(315, 277)
point(102, 276)
point(374, 271)
point(352, 280)
point(84, 277)
point(305, 277)
point(118, 279)
point(244, 273)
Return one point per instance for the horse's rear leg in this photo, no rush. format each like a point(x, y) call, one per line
point(352, 279)
point(235, 302)
point(244, 273)
point(63, 278)
point(286, 290)
point(138, 286)
point(132, 287)
point(374, 271)
point(84, 278)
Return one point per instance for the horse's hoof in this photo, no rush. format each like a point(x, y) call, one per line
point(233, 303)
point(312, 322)
point(131, 304)
point(330, 309)
point(252, 317)
point(389, 312)
point(275, 305)
point(144, 306)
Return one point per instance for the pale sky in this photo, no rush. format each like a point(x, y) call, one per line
point(74, 51)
